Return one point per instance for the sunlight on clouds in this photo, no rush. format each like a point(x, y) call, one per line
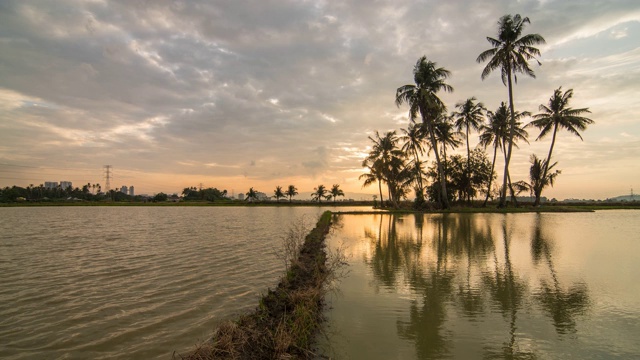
point(10, 100)
point(141, 130)
point(150, 56)
point(593, 28)
point(619, 34)
point(329, 118)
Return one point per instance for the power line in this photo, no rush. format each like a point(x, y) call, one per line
point(107, 169)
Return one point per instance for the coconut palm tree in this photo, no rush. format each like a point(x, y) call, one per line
point(383, 150)
point(469, 116)
point(319, 193)
point(538, 180)
point(510, 53)
point(291, 192)
point(413, 137)
point(446, 135)
point(422, 99)
point(374, 174)
point(557, 115)
point(335, 192)
point(252, 195)
point(277, 193)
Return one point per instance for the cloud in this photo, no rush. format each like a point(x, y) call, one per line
point(276, 90)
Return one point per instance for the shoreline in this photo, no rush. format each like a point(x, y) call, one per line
point(525, 208)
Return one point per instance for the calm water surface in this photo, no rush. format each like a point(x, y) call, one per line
point(492, 286)
point(131, 282)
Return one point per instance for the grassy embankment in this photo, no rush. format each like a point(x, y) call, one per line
point(286, 319)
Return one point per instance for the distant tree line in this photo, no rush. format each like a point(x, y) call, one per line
point(40, 193)
point(208, 194)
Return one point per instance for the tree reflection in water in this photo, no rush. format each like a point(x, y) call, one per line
point(507, 290)
point(559, 304)
point(450, 263)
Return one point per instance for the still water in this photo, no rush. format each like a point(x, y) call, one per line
point(131, 282)
point(487, 286)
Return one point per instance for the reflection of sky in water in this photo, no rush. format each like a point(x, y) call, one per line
point(488, 285)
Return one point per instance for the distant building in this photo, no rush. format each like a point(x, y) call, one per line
point(261, 196)
point(124, 189)
point(131, 193)
point(241, 196)
point(66, 184)
point(50, 184)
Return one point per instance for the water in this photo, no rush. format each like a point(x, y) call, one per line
point(492, 286)
point(131, 282)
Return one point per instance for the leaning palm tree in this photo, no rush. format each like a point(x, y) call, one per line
point(278, 193)
point(557, 115)
point(510, 53)
point(469, 116)
point(371, 177)
point(291, 192)
point(319, 193)
point(422, 99)
point(538, 180)
point(335, 192)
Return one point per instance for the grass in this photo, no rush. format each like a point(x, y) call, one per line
point(287, 318)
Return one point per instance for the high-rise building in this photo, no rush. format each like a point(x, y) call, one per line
point(131, 193)
point(65, 185)
point(50, 184)
point(124, 189)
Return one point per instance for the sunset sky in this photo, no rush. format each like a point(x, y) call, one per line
point(239, 94)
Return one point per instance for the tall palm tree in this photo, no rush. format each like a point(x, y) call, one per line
point(496, 133)
point(469, 116)
point(422, 99)
point(335, 192)
point(277, 193)
point(510, 53)
point(291, 192)
point(557, 115)
point(413, 137)
point(319, 193)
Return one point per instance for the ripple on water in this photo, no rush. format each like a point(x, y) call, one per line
point(130, 282)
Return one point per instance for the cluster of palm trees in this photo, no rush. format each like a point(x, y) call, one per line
point(319, 193)
point(431, 128)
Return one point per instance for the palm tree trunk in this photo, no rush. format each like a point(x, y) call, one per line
point(443, 184)
point(546, 165)
point(380, 189)
point(493, 163)
point(513, 194)
point(503, 196)
point(468, 167)
point(419, 175)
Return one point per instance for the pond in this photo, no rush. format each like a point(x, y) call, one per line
point(493, 286)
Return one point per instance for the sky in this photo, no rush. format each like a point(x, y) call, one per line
point(261, 93)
